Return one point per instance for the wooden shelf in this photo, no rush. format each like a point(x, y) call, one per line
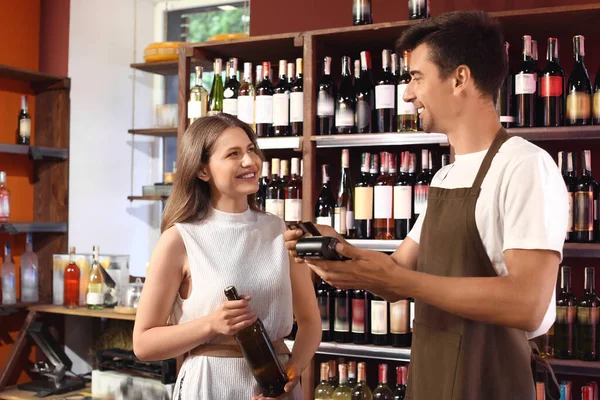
point(13, 393)
point(12, 308)
point(361, 350)
point(378, 245)
point(37, 81)
point(378, 139)
point(166, 68)
point(133, 198)
point(82, 312)
point(575, 367)
point(14, 228)
point(157, 132)
point(35, 152)
point(557, 133)
point(582, 250)
point(270, 143)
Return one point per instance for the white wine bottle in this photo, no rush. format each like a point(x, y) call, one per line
point(95, 294)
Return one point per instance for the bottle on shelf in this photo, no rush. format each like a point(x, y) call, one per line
point(385, 96)
point(333, 375)
point(587, 393)
point(418, 9)
point(245, 100)
point(343, 391)
point(9, 277)
point(95, 292)
point(363, 200)
point(379, 319)
point(324, 390)
point(362, 391)
point(552, 88)
point(4, 199)
point(285, 172)
point(422, 183)
point(297, 101)
point(346, 102)
point(403, 199)
point(361, 12)
point(584, 202)
point(344, 205)
point(374, 169)
point(263, 185)
point(526, 87)
point(596, 111)
point(281, 103)
point(30, 291)
point(587, 319)
point(24, 123)
point(401, 381)
point(365, 96)
point(384, 201)
point(216, 92)
point(325, 100)
point(505, 95)
point(566, 311)
point(395, 68)
point(198, 102)
point(264, 103)
point(275, 200)
point(232, 89)
point(71, 281)
point(400, 335)
point(342, 316)
point(383, 391)
point(407, 115)
point(445, 160)
point(579, 88)
point(293, 194)
point(324, 208)
point(260, 355)
point(351, 373)
point(359, 314)
point(325, 302)
point(566, 166)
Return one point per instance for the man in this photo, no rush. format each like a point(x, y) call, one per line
point(481, 262)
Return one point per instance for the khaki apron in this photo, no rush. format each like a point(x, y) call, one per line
point(454, 358)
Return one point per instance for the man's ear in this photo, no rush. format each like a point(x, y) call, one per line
point(462, 77)
point(203, 174)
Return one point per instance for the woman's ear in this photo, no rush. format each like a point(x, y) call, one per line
point(203, 174)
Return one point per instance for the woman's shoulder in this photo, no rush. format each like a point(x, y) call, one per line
point(270, 220)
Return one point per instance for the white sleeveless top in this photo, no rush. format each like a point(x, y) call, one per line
point(247, 251)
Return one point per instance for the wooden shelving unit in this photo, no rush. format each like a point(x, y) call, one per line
point(35, 152)
point(166, 68)
point(157, 132)
point(35, 81)
point(81, 312)
point(14, 228)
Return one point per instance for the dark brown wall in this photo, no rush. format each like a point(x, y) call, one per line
point(320, 14)
point(54, 36)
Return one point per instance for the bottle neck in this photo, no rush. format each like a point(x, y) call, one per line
point(590, 284)
point(565, 281)
point(324, 372)
point(383, 374)
point(346, 67)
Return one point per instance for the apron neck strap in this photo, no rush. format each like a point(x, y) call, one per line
point(501, 137)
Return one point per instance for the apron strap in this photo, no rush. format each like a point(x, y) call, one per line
point(501, 137)
point(551, 385)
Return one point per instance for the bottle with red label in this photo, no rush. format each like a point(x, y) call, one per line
point(552, 88)
point(359, 313)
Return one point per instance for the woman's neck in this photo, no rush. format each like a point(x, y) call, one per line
point(230, 205)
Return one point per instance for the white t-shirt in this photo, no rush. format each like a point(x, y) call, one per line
point(523, 204)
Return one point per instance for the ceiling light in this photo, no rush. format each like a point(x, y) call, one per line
point(227, 8)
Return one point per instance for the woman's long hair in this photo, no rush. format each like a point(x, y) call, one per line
point(190, 197)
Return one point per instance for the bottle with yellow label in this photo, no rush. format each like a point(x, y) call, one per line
point(95, 293)
point(579, 88)
point(597, 99)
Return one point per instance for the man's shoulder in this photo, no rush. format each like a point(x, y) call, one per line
point(516, 150)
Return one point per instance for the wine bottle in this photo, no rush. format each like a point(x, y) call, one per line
point(422, 183)
point(325, 100)
point(552, 84)
point(505, 94)
point(245, 100)
point(587, 319)
point(285, 172)
point(71, 281)
point(379, 319)
point(365, 96)
point(345, 103)
point(568, 172)
point(29, 273)
point(260, 354)
point(333, 375)
point(324, 300)
point(361, 12)
point(263, 185)
point(24, 123)
point(297, 101)
point(9, 277)
point(584, 202)
point(275, 200)
point(361, 390)
point(363, 205)
point(343, 391)
point(324, 209)
point(232, 89)
point(95, 292)
point(281, 103)
point(359, 313)
point(264, 103)
point(406, 112)
point(395, 68)
point(198, 102)
point(351, 374)
point(385, 92)
point(344, 206)
point(401, 381)
point(445, 160)
point(596, 116)
point(400, 335)
point(324, 390)
point(526, 87)
point(382, 391)
point(403, 199)
point(579, 88)
point(418, 9)
point(383, 222)
point(587, 393)
point(217, 91)
point(293, 194)
point(4, 199)
point(566, 310)
point(374, 170)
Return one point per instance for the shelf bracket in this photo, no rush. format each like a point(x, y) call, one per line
point(10, 229)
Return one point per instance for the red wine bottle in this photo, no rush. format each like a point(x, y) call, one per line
point(552, 88)
point(342, 317)
point(567, 167)
point(297, 101)
point(422, 183)
point(264, 103)
point(505, 95)
point(363, 201)
point(579, 88)
point(345, 104)
point(325, 303)
point(596, 115)
point(379, 320)
point(385, 94)
point(403, 199)
point(418, 9)
point(526, 87)
point(365, 97)
point(325, 100)
point(566, 310)
point(359, 313)
point(585, 202)
point(361, 12)
point(324, 208)
point(384, 201)
point(281, 103)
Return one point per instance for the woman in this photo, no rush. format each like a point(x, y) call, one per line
point(214, 236)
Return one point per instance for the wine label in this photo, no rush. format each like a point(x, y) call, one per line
point(384, 96)
point(587, 315)
point(358, 315)
point(324, 221)
point(25, 128)
point(296, 107)
point(281, 109)
point(363, 203)
point(421, 194)
point(552, 86)
point(570, 221)
point(507, 118)
point(404, 108)
point(384, 197)
point(579, 105)
point(230, 106)
point(400, 317)
point(342, 315)
point(95, 299)
point(245, 108)
point(402, 202)
point(4, 207)
point(194, 109)
point(275, 207)
point(379, 317)
point(349, 220)
point(293, 210)
point(264, 109)
point(339, 220)
point(566, 315)
point(344, 116)
point(363, 114)
point(525, 84)
point(583, 214)
point(597, 105)
point(228, 93)
point(412, 315)
point(323, 303)
point(325, 106)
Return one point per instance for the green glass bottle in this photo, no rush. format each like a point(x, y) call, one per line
point(383, 391)
point(566, 309)
point(217, 91)
point(361, 390)
point(343, 391)
point(587, 319)
point(324, 390)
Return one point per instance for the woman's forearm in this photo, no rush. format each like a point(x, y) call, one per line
point(306, 344)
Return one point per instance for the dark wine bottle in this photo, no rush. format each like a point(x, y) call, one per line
point(231, 89)
point(264, 103)
point(587, 319)
point(403, 199)
point(526, 87)
point(418, 9)
point(346, 101)
point(324, 208)
point(24, 123)
point(363, 201)
point(365, 97)
point(566, 310)
point(400, 335)
point(384, 201)
point(275, 199)
point(325, 100)
point(584, 202)
point(422, 183)
point(552, 88)
point(385, 95)
point(297, 101)
point(359, 313)
point(361, 12)
point(263, 185)
point(579, 88)
point(342, 317)
point(281, 103)
point(406, 112)
point(567, 167)
point(324, 300)
point(343, 220)
point(293, 194)
point(505, 94)
point(260, 355)
point(596, 116)
point(401, 381)
point(379, 320)
point(374, 170)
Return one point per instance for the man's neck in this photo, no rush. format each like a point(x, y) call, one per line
point(474, 131)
